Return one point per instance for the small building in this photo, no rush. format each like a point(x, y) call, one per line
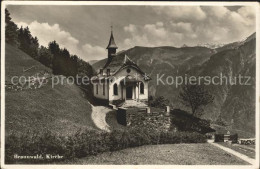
point(120, 80)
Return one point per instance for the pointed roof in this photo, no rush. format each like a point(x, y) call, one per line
point(128, 61)
point(111, 43)
point(120, 62)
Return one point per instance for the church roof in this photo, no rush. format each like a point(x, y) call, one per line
point(119, 62)
point(111, 43)
point(130, 79)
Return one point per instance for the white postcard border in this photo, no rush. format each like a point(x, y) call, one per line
point(151, 3)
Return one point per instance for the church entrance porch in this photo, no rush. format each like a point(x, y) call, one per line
point(129, 92)
point(130, 88)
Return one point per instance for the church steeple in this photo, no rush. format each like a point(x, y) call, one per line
point(111, 44)
point(111, 47)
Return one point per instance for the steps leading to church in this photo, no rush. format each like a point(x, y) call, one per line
point(133, 103)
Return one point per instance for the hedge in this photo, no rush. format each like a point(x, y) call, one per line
point(88, 143)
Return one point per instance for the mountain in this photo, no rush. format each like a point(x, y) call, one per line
point(43, 107)
point(236, 44)
point(211, 45)
point(235, 104)
point(232, 104)
point(91, 62)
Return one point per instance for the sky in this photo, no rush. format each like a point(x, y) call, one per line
point(85, 30)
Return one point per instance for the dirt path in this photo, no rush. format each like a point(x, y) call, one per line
point(235, 153)
point(98, 116)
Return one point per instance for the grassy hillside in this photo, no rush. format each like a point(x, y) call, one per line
point(62, 109)
point(188, 154)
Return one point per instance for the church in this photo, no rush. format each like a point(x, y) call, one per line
point(120, 79)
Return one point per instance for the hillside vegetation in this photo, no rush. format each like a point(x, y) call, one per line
point(188, 154)
point(235, 104)
point(62, 109)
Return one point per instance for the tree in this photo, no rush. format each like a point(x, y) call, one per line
point(28, 43)
point(74, 65)
point(11, 30)
point(195, 97)
point(34, 47)
point(55, 51)
point(65, 62)
point(45, 56)
point(159, 102)
point(54, 47)
point(60, 60)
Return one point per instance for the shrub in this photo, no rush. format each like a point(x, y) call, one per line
point(185, 121)
point(219, 138)
point(89, 142)
point(158, 102)
point(234, 138)
point(29, 144)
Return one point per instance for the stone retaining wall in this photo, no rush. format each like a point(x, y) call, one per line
point(158, 120)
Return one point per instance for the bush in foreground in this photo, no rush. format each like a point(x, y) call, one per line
point(88, 143)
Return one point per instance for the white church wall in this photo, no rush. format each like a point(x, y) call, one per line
point(121, 75)
point(119, 89)
point(100, 93)
point(145, 95)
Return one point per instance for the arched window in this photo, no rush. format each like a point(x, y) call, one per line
point(141, 88)
point(115, 89)
point(96, 89)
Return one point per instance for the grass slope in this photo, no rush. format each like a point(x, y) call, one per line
point(188, 154)
point(62, 109)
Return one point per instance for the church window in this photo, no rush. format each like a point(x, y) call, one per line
point(141, 88)
point(115, 89)
point(96, 89)
point(104, 87)
point(128, 70)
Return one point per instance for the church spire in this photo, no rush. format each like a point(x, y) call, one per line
point(111, 44)
point(111, 47)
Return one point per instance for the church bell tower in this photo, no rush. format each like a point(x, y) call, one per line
point(111, 47)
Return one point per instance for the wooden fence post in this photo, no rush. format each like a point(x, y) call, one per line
point(168, 109)
point(148, 110)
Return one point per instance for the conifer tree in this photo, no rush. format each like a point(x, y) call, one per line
point(11, 34)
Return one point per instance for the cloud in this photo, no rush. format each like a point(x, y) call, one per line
point(47, 33)
point(217, 12)
point(224, 25)
point(181, 27)
point(182, 13)
point(157, 30)
point(193, 25)
point(151, 35)
point(247, 11)
point(130, 28)
point(94, 52)
point(155, 26)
